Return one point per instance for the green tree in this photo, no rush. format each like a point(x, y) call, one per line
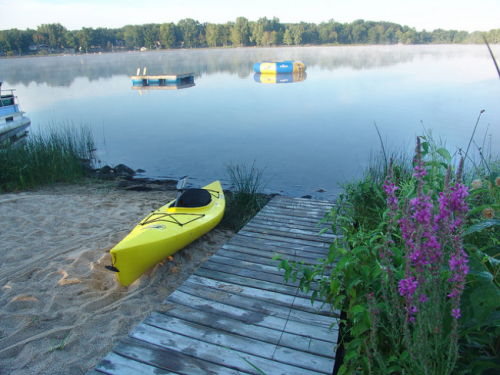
point(202, 38)
point(188, 28)
point(86, 38)
point(359, 32)
point(297, 34)
point(149, 38)
point(276, 37)
point(287, 37)
point(225, 32)
point(239, 32)
point(212, 34)
point(133, 36)
point(70, 40)
point(256, 32)
point(167, 35)
point(53, 34)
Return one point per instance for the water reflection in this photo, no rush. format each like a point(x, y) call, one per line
point(280, 78)
point(308, 136)
point(61, 71)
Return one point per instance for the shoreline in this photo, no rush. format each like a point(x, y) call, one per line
point(61, 310)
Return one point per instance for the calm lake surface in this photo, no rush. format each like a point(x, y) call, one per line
point(308, 135)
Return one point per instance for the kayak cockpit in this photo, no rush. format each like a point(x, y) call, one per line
point(193, 198)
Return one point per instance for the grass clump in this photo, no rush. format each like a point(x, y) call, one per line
point(246, 197)
point(53, 154)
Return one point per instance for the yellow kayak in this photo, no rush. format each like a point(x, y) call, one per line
point(167, 230)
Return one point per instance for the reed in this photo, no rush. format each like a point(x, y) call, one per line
point(53, 154)
point(246, 197)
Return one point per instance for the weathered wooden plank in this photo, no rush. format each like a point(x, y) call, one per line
point(243, 290)
point(269, 335)
point(249, 317)
point(214, 353)
point(281, 232)
point(258, 276)
point(239, 343)
point(235, 300)
point(274, 245)
point(307, 216)
point(252, 317)
point(288, 239)
point(319, 202)
point(277, 279)
point(254, 256)
point(311, 212)
point(296, 230)
point(190, 314)
point(271, 244)
point(300, 202)
point(165, 358)
point(246, 264)
point(223, 276)
point(310, 345)
point(283, 214)
point(114, 364)
point(294, 215)
point(236, 251)
point(304, 223)
point(254, 300)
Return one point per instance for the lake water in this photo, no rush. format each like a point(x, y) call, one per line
point(308, 135)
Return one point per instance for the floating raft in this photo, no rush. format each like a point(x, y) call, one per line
point(273, 67)
point(163, 80)
point(236, 311)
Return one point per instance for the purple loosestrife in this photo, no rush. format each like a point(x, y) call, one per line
point(432, 236)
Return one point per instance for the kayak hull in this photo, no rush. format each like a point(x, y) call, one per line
point(164, 232)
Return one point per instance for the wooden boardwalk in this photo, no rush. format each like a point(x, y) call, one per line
point(236, 312)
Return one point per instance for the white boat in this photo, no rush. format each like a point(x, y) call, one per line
point(13, 122)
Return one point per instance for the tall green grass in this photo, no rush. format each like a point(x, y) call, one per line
point(246, 197)
point(52, 154)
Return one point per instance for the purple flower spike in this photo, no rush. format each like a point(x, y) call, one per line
point(407, 287)
point(455, 313)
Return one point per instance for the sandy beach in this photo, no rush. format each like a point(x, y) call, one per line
point(61, 311)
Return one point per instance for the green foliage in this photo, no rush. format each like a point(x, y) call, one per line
point(353, 270)
point(56, 154)
point(167, 35)
point(189, 33)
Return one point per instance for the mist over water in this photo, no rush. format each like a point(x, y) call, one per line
point(309, 135)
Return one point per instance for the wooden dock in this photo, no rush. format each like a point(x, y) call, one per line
point(236, 312)
point(162, 79)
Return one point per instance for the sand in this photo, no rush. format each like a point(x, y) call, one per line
point(61, 311)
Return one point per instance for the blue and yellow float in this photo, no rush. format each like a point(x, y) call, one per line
point(274, 67)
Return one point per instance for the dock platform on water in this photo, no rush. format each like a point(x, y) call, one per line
point(162, 79)
point(236, 312)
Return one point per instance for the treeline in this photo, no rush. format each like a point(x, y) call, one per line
point(189, 33)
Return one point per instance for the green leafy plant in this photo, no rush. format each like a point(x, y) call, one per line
point(387, 326)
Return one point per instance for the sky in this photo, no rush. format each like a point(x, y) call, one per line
point(467, 15)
